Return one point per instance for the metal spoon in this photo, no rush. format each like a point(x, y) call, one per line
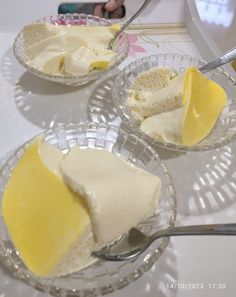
point(137, 242)
point(223, 59)
point(145, 4)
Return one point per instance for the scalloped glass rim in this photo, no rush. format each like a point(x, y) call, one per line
point(102, 277)
point(225, 128)
point(122, 48)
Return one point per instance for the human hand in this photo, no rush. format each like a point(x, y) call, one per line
point(112, 6)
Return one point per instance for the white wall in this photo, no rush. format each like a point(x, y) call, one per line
point(16, 13)
point(158, 11)
point(21, 12)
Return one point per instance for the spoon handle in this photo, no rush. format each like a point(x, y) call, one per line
point(130, 251)
point(141, 9)
point(225, 58)
point(126, 24)
point(211, 229)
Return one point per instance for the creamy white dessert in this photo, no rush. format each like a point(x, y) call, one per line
point(165, 98)
point(84, 59)
point(78, 255)
point(38, 32)
point(55, 229)
point(68, 50)
point(165, 126)
point(182, 111)
point(119, 194)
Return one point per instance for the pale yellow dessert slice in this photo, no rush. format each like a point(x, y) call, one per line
point(49, 62)
point(204, 100)
point(119, 194)
point(184, 111)
point(47, 222)
point(56, 44)
point(165, 127)
point(166, 96)
point(69, 50)
point(148, 82)
point(37, 32)
point(82, 61)
point(78, 62)
point(92, 34)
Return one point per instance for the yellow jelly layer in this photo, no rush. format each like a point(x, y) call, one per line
point(234, 64)
point(100, 64)
point(43, 216)
point(204, 100)
point(115, 27)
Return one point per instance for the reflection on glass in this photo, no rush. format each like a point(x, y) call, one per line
point(208, 181)
point(219, 12)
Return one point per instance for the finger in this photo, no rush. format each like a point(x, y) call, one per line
point(98, 10)
point(117, 14)
point(113, 4)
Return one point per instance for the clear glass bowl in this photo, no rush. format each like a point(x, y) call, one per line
point(121, 47)
point(102, 277)
point(225, 128)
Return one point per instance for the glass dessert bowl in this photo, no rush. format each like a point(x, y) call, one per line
point(223, 131)
point(101, 277)
point(121, 48)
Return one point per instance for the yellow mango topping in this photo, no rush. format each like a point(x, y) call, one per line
point(204, 100)
point(102, 64)
point(115, 27)
point(234, 64)
point(43, 216)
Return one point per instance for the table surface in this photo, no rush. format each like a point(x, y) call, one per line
point(205, 185)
